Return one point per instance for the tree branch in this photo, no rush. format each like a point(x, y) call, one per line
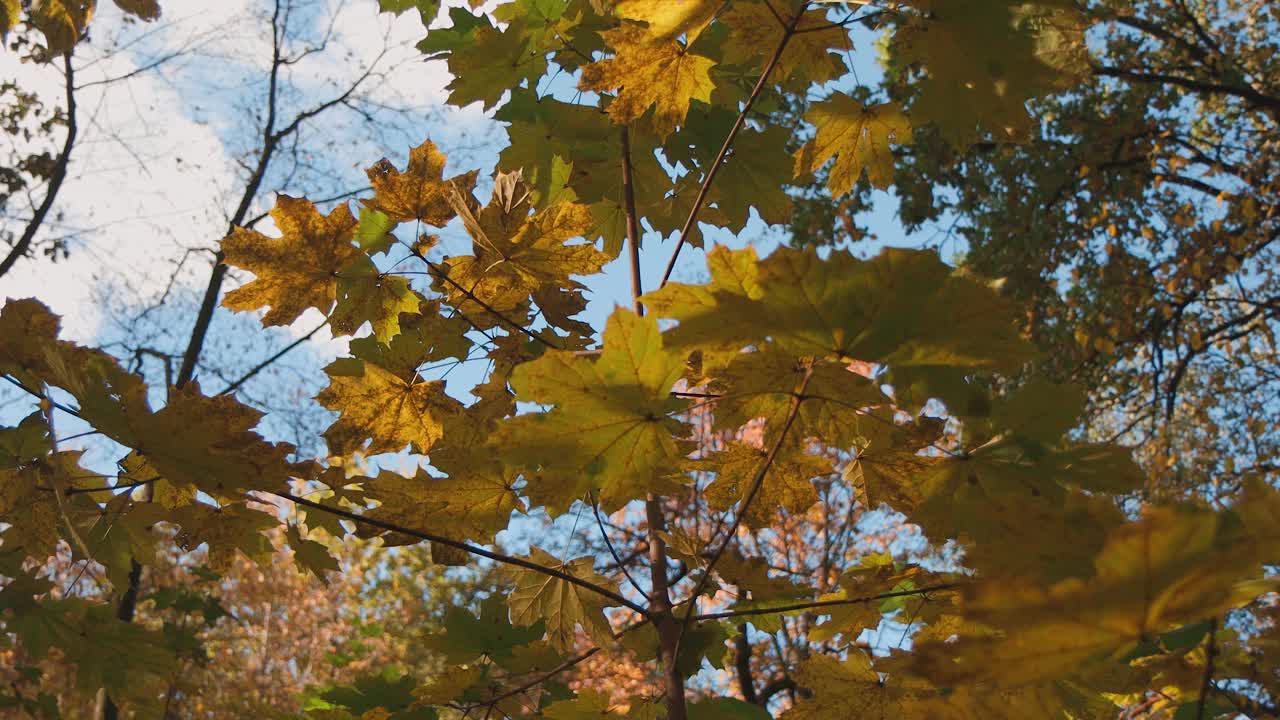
point(20, 248)
point(701, 198)
point(1211, 652)
point(465, 547)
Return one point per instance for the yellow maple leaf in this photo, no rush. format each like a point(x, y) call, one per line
point(420, 192)
point(464, 506)
point(518, 255)
point(298, 270)
point(858, 137)
point(762, 384)
point(63, 22)
point(662, 75)
point(669, 20)
point(388, 411)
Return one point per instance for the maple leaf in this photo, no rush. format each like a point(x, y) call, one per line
point(787, 484)
point(34, 355)
point(144, 9)
point(229, 530)
point(562, 606)
point(427, 9)
point(751, 576)
point(312, 555)
point(128, 659)
point(518, 255)
point(835, 406)
point(1013, 513)
point(875, 575)
point(420, 192)
point(366, 295)
point(753, 176)
point(298, 270)
point(465, 506)
point(846, 308)
point(858, 137)
point(386, 410)
point(485, 62)
point(610, 428)
point(490, 635)
point(194, 441)
point(754, 33)
point(667, 20)
point(982, 66)
point(1172, 567)
point(587, 705)
point(426, 335)
point(27, 502)
point(662, 75)
point(10, 15)
point(848, 688)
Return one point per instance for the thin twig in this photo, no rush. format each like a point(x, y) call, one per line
point(823, 603)
point(269, 361)
point(465, 547)
point(604, 534)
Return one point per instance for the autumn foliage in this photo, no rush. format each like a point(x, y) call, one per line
point(731, 439)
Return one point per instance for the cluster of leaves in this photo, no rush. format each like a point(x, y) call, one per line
point(1067, 605)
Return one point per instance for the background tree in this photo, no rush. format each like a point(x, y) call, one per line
point(1138, 222)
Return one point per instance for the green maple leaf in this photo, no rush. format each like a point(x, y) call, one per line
point(559, 605)
point(754, 33)
point(982, 65)
point(388, 694)
point(490, 635)
point(610, 430)
point(312, 555)
point(1173, 567)
point(427, 9)
point(753, 177)
point(1014, 513)
point(846, 308)
point(366, 295)
point(836, 405)
point(486, 62)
